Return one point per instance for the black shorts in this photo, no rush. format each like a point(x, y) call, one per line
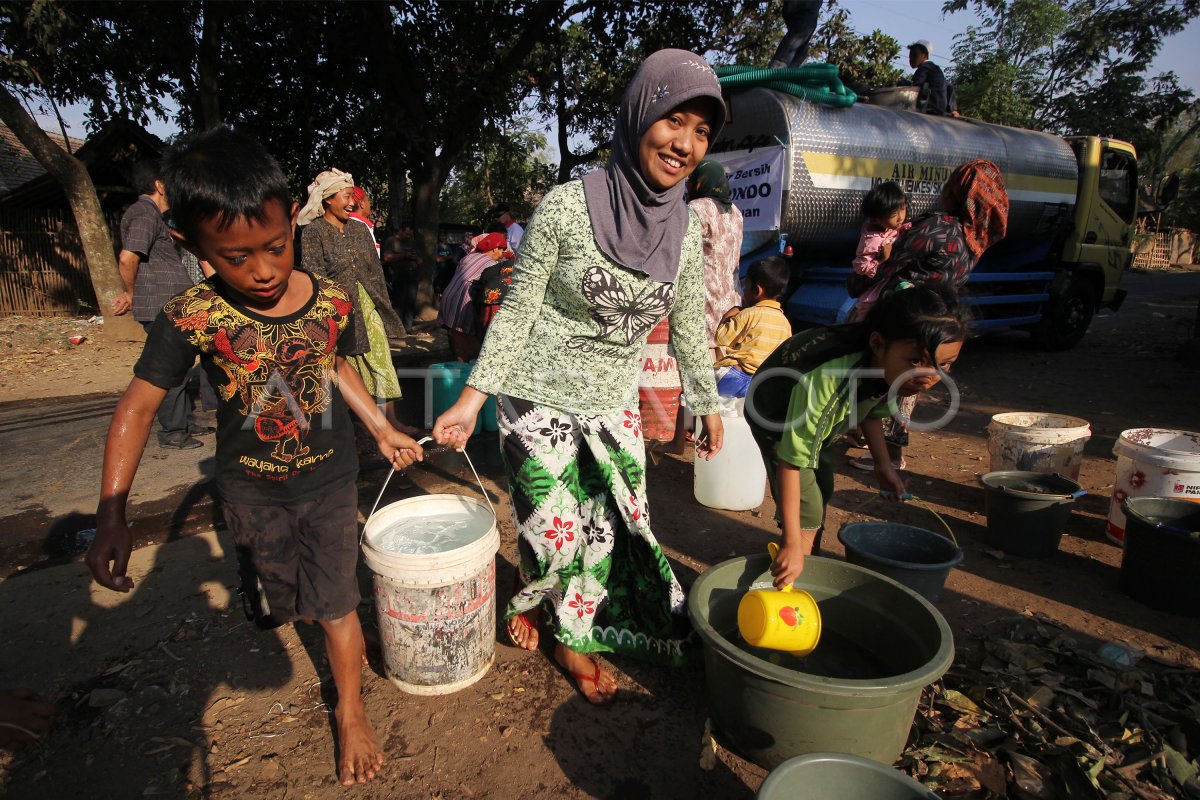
point(304, 554)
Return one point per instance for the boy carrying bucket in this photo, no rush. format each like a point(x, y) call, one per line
point(272, 340)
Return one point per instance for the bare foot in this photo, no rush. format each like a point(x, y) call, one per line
point(361, 756)
point(594, 683)
point(523, 630)
point(372, 646)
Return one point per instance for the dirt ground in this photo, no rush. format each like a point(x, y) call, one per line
point(169, 692)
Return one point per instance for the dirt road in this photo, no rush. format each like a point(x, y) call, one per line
point(169, 692)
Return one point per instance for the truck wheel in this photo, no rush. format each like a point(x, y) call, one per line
point(1068, 314)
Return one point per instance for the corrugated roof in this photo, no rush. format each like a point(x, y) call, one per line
point(17, 164)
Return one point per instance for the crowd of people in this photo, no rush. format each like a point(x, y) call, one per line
point(554, 317)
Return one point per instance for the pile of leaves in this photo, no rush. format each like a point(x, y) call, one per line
point(1030, 713)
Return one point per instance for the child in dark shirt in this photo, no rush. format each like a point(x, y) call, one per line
point(272, 340)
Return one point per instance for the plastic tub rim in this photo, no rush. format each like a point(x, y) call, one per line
point(1033, 476)
point(941, 565)
point(435, 569)
point(1077, 429)
point(876, 767)
point(844, 687)
point(1169, 457)
point(1178, 533)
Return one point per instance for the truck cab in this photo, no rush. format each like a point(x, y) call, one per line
point(1095, 249)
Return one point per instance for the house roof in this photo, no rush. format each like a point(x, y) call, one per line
point(107, 154)
point(17, 164)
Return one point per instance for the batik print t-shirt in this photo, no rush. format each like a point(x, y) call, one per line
point(283, 430)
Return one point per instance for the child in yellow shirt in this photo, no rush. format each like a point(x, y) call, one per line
point(748, 334)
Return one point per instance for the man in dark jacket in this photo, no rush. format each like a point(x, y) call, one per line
point(928, 77)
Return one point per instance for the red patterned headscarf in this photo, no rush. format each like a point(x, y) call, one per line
point(488, 242)
point(975, 193)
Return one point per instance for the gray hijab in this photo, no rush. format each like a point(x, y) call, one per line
point(636, 226)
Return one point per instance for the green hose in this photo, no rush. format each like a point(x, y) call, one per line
point(816, 82)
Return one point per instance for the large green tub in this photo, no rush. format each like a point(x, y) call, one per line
point(881, 643)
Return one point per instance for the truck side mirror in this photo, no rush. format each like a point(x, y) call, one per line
point(1168, 190)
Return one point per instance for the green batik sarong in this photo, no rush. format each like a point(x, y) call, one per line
point(375, 366)
point(578, 489)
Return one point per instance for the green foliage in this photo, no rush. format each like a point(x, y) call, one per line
point(1002, 66)
point(1178, 154)
point(1185, 211)
point(865, 60)
point(505, 166)
point(578, 74)
point(1070, 66)
point(91, 53)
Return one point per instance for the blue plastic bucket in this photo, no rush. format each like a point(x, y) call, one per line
point(449, 379)
point(915, 557)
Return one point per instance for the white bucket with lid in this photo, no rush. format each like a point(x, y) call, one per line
point(1153, 462)
point(434, 564)
point(1025, 441)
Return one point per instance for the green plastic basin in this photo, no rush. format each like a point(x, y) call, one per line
point(838, 776)
point(881, 643)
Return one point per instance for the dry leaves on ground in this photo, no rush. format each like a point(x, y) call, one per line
point(1029, 713)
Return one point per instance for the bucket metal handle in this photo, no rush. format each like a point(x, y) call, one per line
point(391, 472)
point(1053, 498)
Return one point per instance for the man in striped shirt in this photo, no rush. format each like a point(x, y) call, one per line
point(749, 334)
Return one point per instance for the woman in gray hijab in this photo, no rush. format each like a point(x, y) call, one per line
point(604, 259)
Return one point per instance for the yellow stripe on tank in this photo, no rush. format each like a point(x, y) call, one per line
point(833, 171)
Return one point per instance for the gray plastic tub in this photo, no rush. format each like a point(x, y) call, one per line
point(881, 644)
point(838, 776)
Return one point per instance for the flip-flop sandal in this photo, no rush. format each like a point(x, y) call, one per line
point(594, 679)
point(867, 463)
point(524, 622)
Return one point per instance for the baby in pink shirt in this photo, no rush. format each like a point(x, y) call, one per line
point(886, 210)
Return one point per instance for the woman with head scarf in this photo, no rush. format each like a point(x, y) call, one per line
point(458, 314)
point(604, 259)
point(721, 229)
point(943, 247)
point(710, 198)
point(344, 251)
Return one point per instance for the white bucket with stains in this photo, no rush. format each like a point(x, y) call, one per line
point(1153, 462)
point(1026, 441)
point(434, 562)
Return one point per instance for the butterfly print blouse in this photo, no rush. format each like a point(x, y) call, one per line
point(572, 328)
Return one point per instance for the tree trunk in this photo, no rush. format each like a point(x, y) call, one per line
point(209, 66)
point(76, 183)
point(397, 167)
point(428, 179)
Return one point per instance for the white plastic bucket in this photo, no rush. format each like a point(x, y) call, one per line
point(436, 610)
point(735, 479)
point(1153, 462)
point(1025, 441)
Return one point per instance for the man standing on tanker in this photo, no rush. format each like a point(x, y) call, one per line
point(928, 77)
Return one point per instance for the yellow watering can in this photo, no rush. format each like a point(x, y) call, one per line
point(786, 619)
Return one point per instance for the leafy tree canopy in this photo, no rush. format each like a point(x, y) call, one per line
point(1071, 66)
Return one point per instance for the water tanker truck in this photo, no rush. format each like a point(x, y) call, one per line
point(799, 171)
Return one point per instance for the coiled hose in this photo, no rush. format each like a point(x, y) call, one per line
point(817, 82)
